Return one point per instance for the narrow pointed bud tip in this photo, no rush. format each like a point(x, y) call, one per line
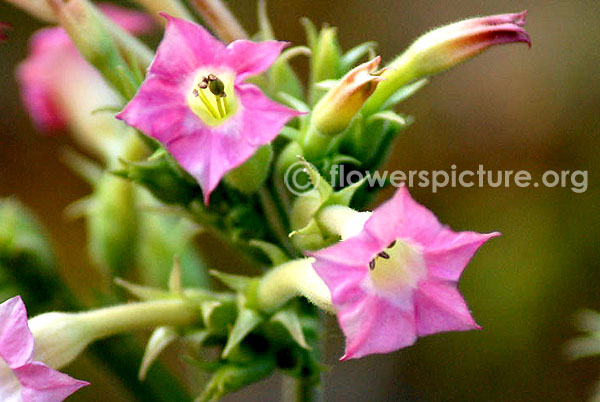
point(447, 46)
point(337, 108)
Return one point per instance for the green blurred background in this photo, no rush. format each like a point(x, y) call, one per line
point(512, 108)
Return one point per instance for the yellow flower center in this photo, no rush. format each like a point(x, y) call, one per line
point(212, 97)
point(399, 267)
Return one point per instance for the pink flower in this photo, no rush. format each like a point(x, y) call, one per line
point(195, 102)
point(54, 76)
point(395, 277)
point(21, 378)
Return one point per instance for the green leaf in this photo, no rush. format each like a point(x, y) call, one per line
point(161, 338)
point(246, 321)
point(275, 254)
point(288, 318)
point(232, 377)
point(404, 93)
point(353, 55)
point(238, 283)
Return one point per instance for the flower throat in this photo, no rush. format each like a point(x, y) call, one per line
point(211, 98)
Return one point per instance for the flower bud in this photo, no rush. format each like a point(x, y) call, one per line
point(445, 47)
point(337, 108)
point(61, 337)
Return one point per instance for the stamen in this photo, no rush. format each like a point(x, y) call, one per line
point(392, 244)
point(372, 265)
point(385, 255)
point(221, 107)
point(208, 105)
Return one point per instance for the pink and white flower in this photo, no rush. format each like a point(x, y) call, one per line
point(21, 378)
point(394, 276)
point(195, 102)
point(58, 87)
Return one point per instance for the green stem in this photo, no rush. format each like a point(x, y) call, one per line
point(298, 390)
point(274, 219)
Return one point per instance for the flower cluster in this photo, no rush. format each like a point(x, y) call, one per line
point(210, 129)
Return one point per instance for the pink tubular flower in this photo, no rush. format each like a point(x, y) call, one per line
point(395, 277)
point(21, 378)
point(195, 102)
point(54, 75)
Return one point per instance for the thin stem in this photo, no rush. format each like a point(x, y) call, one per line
point(274, 220)
point(297, 390)
point(220, 19)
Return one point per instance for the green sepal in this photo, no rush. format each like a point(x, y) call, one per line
point(163, 177)
point(159, 340)
point(404, 93)
point(352, 56)
point(275, 254)
point(232, 377)
point(218, 316)
point(245, 322)
point(288, 318)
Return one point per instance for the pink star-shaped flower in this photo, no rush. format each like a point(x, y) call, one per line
point(53, 73)
point(395, 277)
point(22, 378)
point(195, 102)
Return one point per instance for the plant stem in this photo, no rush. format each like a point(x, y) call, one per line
point(298, 390)
point(216, 14)
point(274, 220)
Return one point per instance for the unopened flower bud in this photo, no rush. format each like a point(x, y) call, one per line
point(337, 108)
point(445, 47)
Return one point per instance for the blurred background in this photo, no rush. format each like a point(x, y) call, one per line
point(512, 108)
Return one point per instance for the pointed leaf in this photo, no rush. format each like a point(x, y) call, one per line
point(217, 316)
point(353, 55)
point(344, 196)
point(404, 93)
point(275, 254)
point(142, 292)
point(246, 321)
point(159, 340)
point(264, 25)
point(288, 318)
point(234, 282)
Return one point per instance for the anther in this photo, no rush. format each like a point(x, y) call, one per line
point(216, 86)
point(372, 265)
point(385, 255)
point(392, 244)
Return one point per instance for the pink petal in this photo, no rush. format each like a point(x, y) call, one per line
point(251, 58)
point(40, 383)
point(134, 22)
point(209, 153)
point(402, 217)
point(373, 325)
point(355, 251)
point(16, 340)
point(451, 252)
point(440, 307)
point(160, 110)
point(184, 47)
point(262, 118)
